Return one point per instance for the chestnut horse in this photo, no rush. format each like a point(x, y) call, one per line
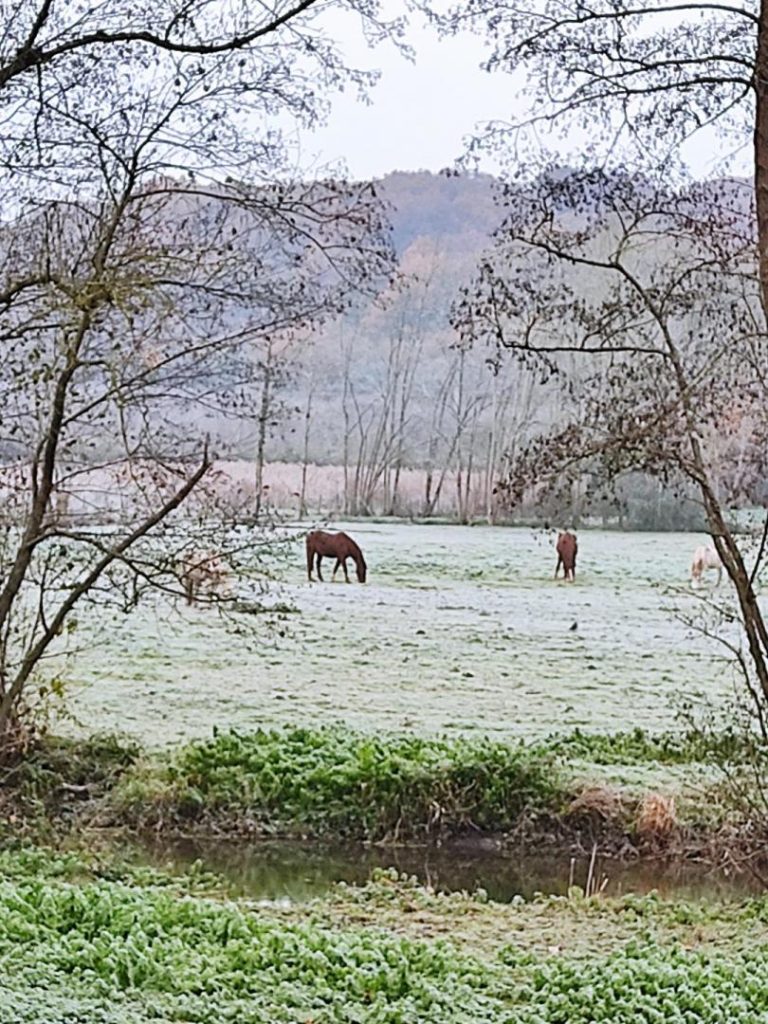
point(334, 545)
point(567, 549)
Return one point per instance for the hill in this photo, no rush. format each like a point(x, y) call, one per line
point(410, 421)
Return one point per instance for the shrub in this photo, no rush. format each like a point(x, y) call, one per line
point(336, 782)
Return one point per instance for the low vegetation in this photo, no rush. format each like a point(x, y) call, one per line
point(637, 747)
point(84, 940)
point(113, 951)
point(336, 782)
point(59, 774)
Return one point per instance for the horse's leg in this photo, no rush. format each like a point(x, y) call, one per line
point(310, 563)
point(319, 574)
point(559, 563)
point(344, 567)
point(335, 570)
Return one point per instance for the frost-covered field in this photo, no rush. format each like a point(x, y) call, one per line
point(458, 628)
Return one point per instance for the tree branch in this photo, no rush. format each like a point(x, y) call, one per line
point(36, 651)
point(30, 56)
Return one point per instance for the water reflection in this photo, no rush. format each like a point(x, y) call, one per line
point(296, 871)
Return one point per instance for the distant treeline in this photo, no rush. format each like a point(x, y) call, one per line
point(641, 502)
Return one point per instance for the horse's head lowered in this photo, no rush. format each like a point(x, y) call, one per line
point(362, 568)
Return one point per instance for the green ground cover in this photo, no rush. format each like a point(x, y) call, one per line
point(336, 782)
point(85, 940)
point(340, 784)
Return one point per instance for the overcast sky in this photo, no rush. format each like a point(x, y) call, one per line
point(422, 112)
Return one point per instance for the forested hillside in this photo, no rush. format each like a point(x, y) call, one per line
point(386, 408)
point(384, 411)
point(387, 388)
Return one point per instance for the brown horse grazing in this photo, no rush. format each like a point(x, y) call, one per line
point(567, 549)
point(334, 545)
point(203, 571)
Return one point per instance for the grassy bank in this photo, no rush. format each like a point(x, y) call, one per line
point(337, 784)
point(53, 781)
point(637, 747)
point(82, 941)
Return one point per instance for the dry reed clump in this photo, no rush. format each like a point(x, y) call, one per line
point(656, 821)
point(597, 804)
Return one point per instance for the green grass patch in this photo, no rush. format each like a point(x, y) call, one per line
point(119, 950)
point(111, 951)
point(335, 782)
point(638, 747)
point(642, 984)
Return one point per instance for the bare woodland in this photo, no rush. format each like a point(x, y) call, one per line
point(158, 250)
point(666, 357)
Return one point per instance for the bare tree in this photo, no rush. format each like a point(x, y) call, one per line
point(512, 422)
point(151, 238)
point(277, 361)
point(436, 436)
point(41, 34)
point(387, 429)
point(656, 293)
point(376, 419)
point(652, 74)
point(463, 396)
point(305, 448)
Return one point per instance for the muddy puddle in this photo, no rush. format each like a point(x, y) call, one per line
point(458, 629)
point(297, 872)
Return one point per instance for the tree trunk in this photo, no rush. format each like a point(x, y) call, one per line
point(428, 489)
point(347, 430)
point(752, 618)
point(305, 452)
point(261, 439)
point(490, 473)
point(760, 82)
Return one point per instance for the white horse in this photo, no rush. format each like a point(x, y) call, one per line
point(204, 572)
point(705, 557)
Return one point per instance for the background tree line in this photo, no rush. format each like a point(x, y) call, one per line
point(420, 412)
